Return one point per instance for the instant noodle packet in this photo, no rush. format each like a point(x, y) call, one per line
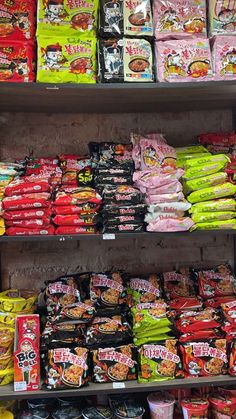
point(33, 214)
point(84, 198)
point(149, 316)
point(204, 358)
point(216, 282)
point(179, 19)
point(171, 225)
point(159, 362)
point(66, 368)
point(222, 18)
point(16, 65)
point(220, 158)
point(67, 18)
point(193, 321)
point(203, 170)
point(143, 289)
point(224, 57)
point(64, 334)
point(215, 225)
point(185, 303)
point(17, 21)
point(133, 18)
point(232, 361)
point(218, 205)
point(66, 60)
point(25, 231)
point(107, 289)
point(80, 312)
point(182, 158)
point(178, 284)
point(223, 405)
point(206, 217)
point(27, 201)
point(217, 301)
point(205, 182)
point(114, 364)
point(15, 300)
point(219, 191)
point(106, 331)
point(183, 60)
point(191, 149)
point(7, 334)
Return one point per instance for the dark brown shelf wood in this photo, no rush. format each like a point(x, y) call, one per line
point(7, 392)
point(118, 98)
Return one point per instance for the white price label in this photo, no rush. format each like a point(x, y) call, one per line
point(118, 385)
point(108, 236)
point(20, 386)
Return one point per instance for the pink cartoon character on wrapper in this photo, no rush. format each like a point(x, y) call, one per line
point(170, 20)
point(174, 64)
point(224, 55)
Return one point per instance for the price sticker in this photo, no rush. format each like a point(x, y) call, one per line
point(107, 236)
point(118, 385)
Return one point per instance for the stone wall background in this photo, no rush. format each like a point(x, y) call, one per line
point(29, 264)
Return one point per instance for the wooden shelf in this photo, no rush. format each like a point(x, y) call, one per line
point(7, 392)
point(119, 98)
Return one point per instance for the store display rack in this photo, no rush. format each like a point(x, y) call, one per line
point(119, 98)
point(7, 393)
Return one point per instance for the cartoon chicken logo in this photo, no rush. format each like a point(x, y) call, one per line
point(54, 11)
point(53, 57)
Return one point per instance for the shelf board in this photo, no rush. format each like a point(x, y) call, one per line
point(7, 392)
point(110, 237)
point(118, 98)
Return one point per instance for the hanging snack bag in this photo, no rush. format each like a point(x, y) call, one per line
point(159, 362)
point(120, 17)
point(183, 60)
point(66, 60)
point(143, 289)
point(114, 364)
point(216, 282)
point(125, 60)
point(224, 53)
point(179, 19)
point(204, 358)
point(66, 368)
point(17, 20)
point(107, 289)
point(222, 17)
point(67, 18)
point(16, 61)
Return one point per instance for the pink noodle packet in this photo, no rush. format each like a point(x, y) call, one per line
point(171, 225)
point(179, 18)
point(157, 199)
point(155, 155)
point(224, 57)
point(186, 60)
point(136, 140)
point(156, 179)
point(222, 17)
point(172, 187)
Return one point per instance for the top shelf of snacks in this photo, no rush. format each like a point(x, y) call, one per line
point(119, 98)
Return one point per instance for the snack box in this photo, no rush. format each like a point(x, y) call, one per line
point(26, 353)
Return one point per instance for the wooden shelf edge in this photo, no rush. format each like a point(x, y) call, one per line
point(7, 392)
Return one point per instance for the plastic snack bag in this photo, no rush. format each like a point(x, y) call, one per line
point(216, 225)
point(17, 62)
point(17, 20)
point(218, 205)
point(183, 60)
point(222, 17)
point(66, 60)
point(171, 225)
point(216, 282)
point(179, 19)
point(205, 182)
point(206, 217)
point(224, 54)
point(219, 191)
point(66, 18)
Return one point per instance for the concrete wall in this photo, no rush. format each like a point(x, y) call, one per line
point(29, 264)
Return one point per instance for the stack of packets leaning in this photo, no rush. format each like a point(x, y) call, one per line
point(125, 41)
point(219, 143)
point(76, 205)
point(158, 179)
point(123, 209)
point(17, 46)
point(207, 188)
point(86, 312)
point(8, 172)
point(153, 330)
point(27, 206)
point(12, 303)
point(66, 41)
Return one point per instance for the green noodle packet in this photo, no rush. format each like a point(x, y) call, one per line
point(220, 191)
point(152, 316)
point(228, 204)
point(192, 149)
point(204, 182)
point(203, 217)
point(219, 158)
point(67, 18)
point(216, 225)
point(150, 339)
point(154, 331)
point(181, 159)
point(67, 59)
point(203, 170)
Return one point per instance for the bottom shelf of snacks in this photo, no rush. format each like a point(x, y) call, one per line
point(7, 392)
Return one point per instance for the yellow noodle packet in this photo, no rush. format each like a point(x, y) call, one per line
point(206, 160)
point(226, 189)
point(228, 204)
point(216, 225)
point(203, 170)
point(205, 182)
point(203, 217)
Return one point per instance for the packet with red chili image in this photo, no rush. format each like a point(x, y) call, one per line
point(16, 61)
point(107, 289)
point(114, 364)
point(216, 282)
point(204, 358)
point(66, 368)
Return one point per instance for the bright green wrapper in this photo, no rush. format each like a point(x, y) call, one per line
point(205, 182)
point(226, 189)
point(150, 339)
point(219, 158)
point(216, 225)
point(66, 60)
point(148, 318)
point(191, 150)
point(159, 362)
point(156, 331)
point(67, 18)
point(203, 170)
point(182, 158)
point(203, 217)
point(227, 204)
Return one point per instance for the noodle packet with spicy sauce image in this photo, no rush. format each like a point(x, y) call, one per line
point(16, 61)
point(216, 282)
point(108, 290)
